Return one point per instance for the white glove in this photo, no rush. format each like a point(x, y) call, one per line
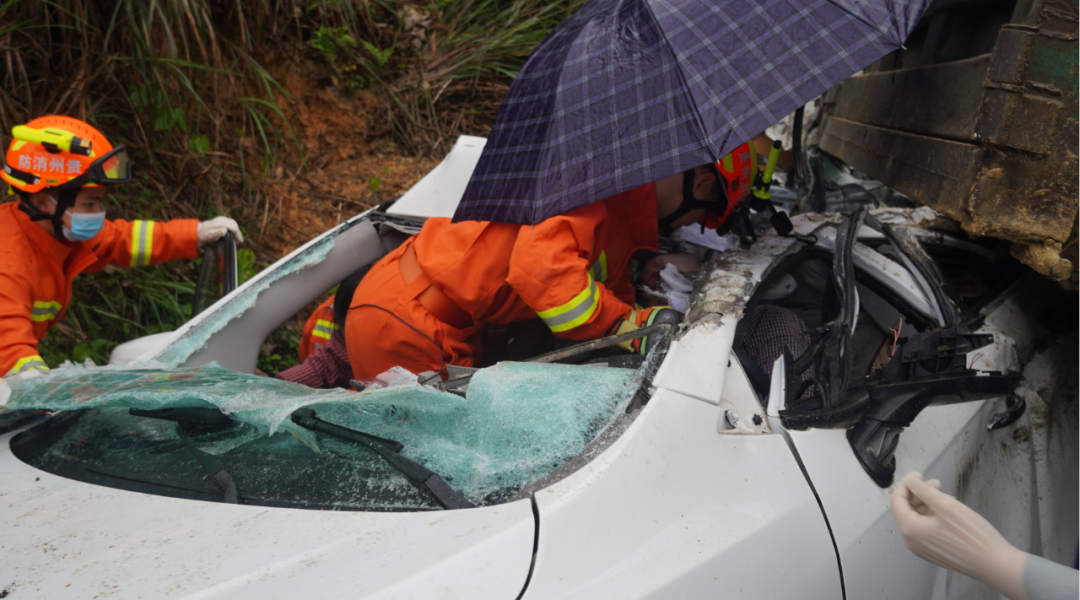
point(942, 530)
point(676, 286)
point(216, 228)
point(673, 279)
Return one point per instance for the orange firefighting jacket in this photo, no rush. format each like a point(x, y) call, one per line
point(36, 271)
point(318, 328)
point(571, 270)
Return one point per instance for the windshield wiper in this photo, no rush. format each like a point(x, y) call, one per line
point(198, 416)
point(346, 433)
point(186, 414)
point(216, 472)
point(417, 474)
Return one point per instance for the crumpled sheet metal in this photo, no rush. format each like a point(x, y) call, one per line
point(725, 293)
point(922, 217)
point(734, 275)
point(519, 422)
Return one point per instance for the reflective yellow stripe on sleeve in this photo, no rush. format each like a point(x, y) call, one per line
point(142, 242)
point(575, 312)
point(44, 311)
point(324, 329)
point(599, 269)
point(28, 364)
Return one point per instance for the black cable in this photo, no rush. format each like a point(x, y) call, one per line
point(442, 363)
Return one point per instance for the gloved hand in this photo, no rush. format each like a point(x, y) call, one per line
point(942, 530)
point(216, 228)
point(645, 317)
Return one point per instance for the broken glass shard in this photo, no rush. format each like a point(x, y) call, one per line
point(519, 421)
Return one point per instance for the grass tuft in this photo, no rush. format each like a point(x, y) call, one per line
point(441, 66)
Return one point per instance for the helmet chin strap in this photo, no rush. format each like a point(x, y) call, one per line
point(63, 203)
point(689, 203)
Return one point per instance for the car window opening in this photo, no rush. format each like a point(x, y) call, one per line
point(793, 307)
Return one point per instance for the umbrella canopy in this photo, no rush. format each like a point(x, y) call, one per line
point(626, 92)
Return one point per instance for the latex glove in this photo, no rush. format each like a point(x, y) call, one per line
point(216, 228)
point(940, 529)
point(645, 317)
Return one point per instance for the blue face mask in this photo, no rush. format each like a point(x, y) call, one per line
point(84, 226)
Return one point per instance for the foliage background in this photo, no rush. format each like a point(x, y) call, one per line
point(286, 115)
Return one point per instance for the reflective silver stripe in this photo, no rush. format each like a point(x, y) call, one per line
point(144, 243)
point(586, 306)
point(26, 365)
point(324, 330)
point(599, 268)
point(44, 311)
point(141, 244)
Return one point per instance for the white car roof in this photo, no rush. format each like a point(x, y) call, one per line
point(438, 193)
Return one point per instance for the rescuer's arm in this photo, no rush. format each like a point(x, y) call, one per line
point(326, 367)
point(18, 345)
point(140, 243)
point(550, 271)
point(944, 531)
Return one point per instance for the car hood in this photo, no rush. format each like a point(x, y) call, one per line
point(67, 539)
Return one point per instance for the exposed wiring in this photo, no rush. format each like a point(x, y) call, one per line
point(896, 335)
point(442, 363)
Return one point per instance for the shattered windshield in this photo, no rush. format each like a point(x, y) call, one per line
point(517, 423)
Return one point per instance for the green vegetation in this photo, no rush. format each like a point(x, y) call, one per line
point(440, 66)
point(186, 86)
point(443, 66)
point(118, 305)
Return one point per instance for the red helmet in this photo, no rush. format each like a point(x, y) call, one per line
point(736, 176)
point(61, 152)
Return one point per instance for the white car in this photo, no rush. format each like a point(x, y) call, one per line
point(709, 477)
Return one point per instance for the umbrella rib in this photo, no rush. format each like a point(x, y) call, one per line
point(862, 20)
point(682, 77)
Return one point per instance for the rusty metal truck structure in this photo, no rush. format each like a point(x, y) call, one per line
point(977, 118)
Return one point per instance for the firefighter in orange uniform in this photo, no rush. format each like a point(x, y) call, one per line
point(61, 169)
point(423, 305)
point(317, 329)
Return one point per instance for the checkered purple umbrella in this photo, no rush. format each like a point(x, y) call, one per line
point(625, 92)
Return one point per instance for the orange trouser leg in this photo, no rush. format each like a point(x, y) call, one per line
point(377, 340)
